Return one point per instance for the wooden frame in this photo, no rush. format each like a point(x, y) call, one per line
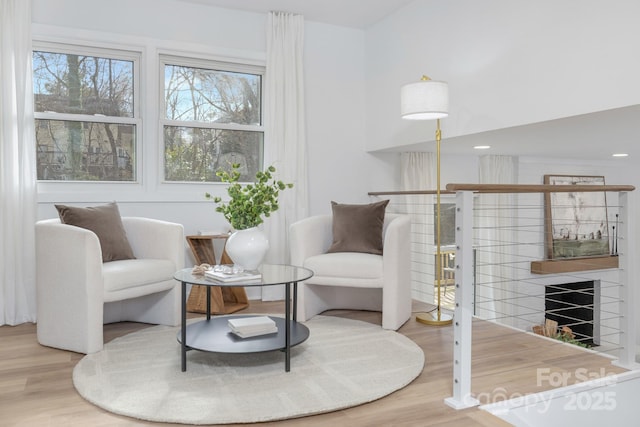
point(576, 223)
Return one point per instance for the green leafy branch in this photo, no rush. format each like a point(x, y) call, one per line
point(571, 340)
point(250, 203)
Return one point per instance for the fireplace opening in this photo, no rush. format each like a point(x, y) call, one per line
point(577, 306)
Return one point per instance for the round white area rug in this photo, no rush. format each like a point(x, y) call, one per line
point(343, 363)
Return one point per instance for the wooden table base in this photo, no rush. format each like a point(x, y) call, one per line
point(224, 300)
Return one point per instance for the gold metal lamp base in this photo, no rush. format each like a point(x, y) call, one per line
point(435, 318)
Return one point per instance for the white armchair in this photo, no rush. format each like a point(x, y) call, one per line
point(354, 280)
point(77, 293)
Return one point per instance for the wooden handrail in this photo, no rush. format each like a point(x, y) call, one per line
point(512, 188)
point(537, 188)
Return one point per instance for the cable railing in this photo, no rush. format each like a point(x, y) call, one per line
point(559, 270)
point(420, 206)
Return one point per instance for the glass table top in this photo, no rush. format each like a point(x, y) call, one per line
point(272, 274)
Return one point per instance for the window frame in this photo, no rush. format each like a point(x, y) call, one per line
point(133, 55)
point(165, 59)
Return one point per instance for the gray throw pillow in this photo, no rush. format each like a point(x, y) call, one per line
point(358, 228)
point(106, 223)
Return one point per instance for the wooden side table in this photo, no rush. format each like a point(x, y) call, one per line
point(224, 300)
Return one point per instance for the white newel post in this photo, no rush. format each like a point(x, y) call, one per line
point(463, 315)
point(627, 356)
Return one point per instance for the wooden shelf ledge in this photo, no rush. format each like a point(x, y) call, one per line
point(569, 265)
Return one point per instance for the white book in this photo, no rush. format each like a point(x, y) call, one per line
point(253, 332)
point(256, 334)
point(246, 327)
point(255, 328)
point(255, 322)
point(245, 276)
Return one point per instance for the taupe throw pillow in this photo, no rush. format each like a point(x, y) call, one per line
point(106, 223)
point(358, 228)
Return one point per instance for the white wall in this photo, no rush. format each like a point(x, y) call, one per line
point(508, 63)
point(334, 67)
point(334, 91)
point(168, 20)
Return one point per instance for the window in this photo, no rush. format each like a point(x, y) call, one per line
point(87, 123)
point(211, 119)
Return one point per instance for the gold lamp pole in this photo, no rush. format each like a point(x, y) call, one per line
point(428, 100)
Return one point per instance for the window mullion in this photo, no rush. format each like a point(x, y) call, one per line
point(224, 126)
point(95, 118)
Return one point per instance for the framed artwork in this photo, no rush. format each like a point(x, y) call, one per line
point(576, 223)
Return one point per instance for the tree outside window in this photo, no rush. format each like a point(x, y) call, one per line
point(85, 117)
point(212, 119)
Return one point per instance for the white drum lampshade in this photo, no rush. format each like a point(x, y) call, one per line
point(424, 100)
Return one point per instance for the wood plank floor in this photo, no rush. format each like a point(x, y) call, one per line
point(36, 387)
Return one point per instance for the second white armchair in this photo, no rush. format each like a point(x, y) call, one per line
point(354, 280)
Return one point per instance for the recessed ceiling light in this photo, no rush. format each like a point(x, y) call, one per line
point(620, 155)
point(481, 147)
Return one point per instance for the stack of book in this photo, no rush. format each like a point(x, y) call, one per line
point(227, 277)
point(246, 327)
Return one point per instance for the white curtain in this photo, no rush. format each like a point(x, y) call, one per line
point(285, 131)
point(495, 220)
point(419, 173)
point(17, 166)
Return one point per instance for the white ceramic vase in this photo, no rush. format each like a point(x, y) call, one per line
point(247, 248)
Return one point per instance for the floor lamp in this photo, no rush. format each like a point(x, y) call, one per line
point(429, 100)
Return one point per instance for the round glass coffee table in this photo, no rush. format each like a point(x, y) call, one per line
point(214, 334)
